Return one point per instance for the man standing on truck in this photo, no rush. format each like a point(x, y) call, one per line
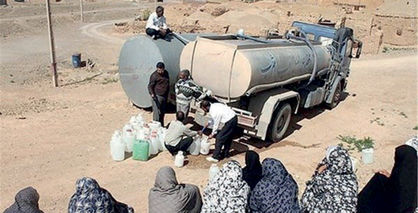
point(221, 113)
point(158, 88)
point(186, 89)
point(156, 25)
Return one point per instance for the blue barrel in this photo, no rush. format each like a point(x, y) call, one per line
point(76, 60)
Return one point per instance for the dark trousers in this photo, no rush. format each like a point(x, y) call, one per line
point(374, 196)
point(183, 145)
point(224, 139)
point(157, 33)
point(152, 32)
point(159, 109)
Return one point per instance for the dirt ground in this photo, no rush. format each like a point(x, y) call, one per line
point(50, 137)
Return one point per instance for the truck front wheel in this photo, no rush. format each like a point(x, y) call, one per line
point(280, 122)
point(336, 98)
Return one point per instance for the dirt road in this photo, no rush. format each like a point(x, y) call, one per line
point(50, 137)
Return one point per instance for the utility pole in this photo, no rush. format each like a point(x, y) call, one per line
point(51, 46)
point(81, 11)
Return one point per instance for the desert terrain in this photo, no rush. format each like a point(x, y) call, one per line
point(51, 136)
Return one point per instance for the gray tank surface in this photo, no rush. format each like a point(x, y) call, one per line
point(137, 61)
point(232, 67)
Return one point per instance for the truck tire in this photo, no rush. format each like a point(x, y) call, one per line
point(336, 98)
point(280, 122)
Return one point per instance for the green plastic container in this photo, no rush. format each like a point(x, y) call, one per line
point(140, 150)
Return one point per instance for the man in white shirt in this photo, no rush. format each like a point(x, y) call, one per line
point(156, 25)
point(221, 113)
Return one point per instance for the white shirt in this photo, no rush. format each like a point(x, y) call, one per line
point(220, 113)
point(155, 22)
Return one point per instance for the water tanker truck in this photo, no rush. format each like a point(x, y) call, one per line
point(265, 80)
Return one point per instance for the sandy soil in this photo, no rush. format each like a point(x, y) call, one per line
point(50, 137)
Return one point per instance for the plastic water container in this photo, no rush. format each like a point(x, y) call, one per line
point(154, 144)
point(132, 120)
point(140, 134)
point(117, 147)
point(146, 133)
point(158, 139)
point(140, 150)
point(194, 148)
point(354, 163)
point(134, 124)
point(213, 170)
point(204, 146)
point(137, 125)
point(367, 156)
point(161, 135)
point(139, 118)
point(76, 60)
point(179, 159)
point(128, 137)
point(154, 125)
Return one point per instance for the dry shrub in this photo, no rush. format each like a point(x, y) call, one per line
point(218, 11)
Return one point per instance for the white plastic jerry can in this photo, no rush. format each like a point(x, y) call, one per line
point(154, 145)
point(367, 155)
point(139, 118)
point(129, 140)
point(213, 170)
point(154, 125)
point(117, 147)
point(128, 137)
point(161, 135)
point(194, 148)
point(204, 146)
point(132, 120)
point(179, 159)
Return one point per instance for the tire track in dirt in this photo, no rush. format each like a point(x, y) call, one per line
point(93, 30)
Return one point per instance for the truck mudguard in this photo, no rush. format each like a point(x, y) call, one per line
point(268, 110)
point(334, 87)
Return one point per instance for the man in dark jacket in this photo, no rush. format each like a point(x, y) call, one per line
point(158, 88)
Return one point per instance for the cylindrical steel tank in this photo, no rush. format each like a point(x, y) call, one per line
point(232, 67)
point(138, 58)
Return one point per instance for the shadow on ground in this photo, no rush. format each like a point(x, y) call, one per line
point(242, 142)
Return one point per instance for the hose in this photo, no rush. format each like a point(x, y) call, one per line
point(306, 40)
point(252, 38)
point(180, 38)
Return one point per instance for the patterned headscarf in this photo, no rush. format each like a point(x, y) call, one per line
point(89, 197)
point(335, 189)
point(26, 201)
point(226, 192)
point(277, 191)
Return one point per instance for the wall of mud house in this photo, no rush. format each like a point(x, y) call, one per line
point(398, 31)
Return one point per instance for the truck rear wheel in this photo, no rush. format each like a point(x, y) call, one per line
point(280, 122)
point(336, 98)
